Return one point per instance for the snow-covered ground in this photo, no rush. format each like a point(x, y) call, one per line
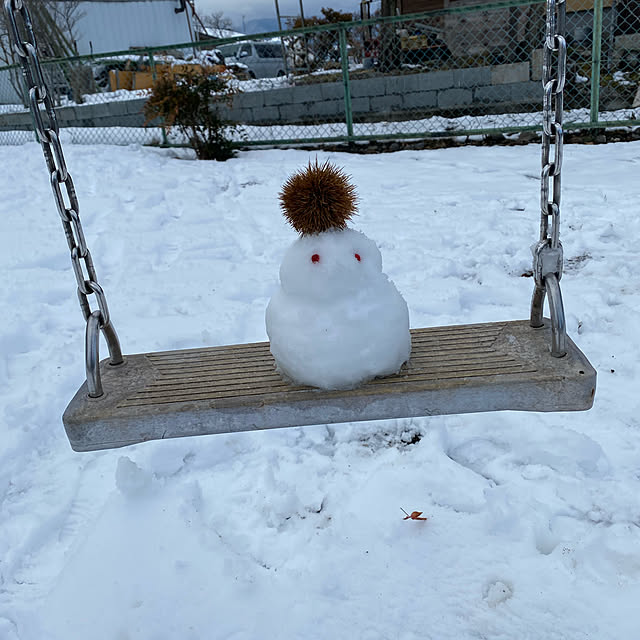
point(533, 527)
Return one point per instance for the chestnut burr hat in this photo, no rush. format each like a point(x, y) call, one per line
point(318, 198)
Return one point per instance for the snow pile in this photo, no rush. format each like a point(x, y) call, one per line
point(337, 320)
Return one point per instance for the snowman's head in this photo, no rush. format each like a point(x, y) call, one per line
point(330, 265)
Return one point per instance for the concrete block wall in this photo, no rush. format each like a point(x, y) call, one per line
point(377, 98)
point(121, 113)
point(410, 96)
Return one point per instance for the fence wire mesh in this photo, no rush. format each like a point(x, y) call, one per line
point(617, 48)
point(469, 70)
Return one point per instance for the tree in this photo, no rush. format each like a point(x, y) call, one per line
point(54, 26)
point(314, 50)
point(217, 23)
point(66, 15)
point(329, 16)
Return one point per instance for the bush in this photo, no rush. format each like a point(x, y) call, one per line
point(190, 101)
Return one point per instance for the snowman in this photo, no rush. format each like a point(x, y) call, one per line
point(336, 320)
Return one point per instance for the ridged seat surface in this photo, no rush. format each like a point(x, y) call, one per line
point(455, 369)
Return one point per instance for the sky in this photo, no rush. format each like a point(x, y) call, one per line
point(250, 10)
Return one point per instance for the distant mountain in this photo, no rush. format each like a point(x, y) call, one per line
point(261, 25)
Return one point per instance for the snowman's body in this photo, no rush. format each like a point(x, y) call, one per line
point(336, 320)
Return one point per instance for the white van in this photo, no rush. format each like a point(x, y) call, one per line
point(263, 59)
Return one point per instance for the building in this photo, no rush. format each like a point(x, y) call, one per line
point(519, 28)
point(506, 34)
point(118, 25)
point(101, 26)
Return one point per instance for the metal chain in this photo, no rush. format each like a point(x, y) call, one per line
point(552, 133)
point(547, 253)
point(46, 125)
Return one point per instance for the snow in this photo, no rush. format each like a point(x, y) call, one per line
point(533, 525)
point(336, 320)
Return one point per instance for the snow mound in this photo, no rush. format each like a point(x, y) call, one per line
point(131, 480)
point(336, 320)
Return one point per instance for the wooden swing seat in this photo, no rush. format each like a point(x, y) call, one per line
point(455, 369)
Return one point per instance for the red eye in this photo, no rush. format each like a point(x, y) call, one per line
point(315, 258)
point(357, 257)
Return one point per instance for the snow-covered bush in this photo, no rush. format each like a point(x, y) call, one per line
point(192, 102)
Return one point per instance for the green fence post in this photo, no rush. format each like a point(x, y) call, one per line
point(154, 77)
point(344, 57)
point(152, 65)
point(596, 61)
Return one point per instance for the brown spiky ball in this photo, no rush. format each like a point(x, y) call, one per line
point(318, 198)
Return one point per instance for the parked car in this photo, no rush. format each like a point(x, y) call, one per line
point(263, 59)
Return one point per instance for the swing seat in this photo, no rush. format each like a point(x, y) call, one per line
point(456, 369)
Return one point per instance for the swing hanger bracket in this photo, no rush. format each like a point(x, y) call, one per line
point(547, 260)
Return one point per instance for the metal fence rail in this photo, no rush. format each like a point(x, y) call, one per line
point(463, 71)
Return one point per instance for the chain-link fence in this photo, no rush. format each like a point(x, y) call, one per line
point(469, 70)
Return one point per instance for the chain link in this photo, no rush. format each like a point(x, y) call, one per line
point(46, 125)
point(547, 253)
point(554, 60)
